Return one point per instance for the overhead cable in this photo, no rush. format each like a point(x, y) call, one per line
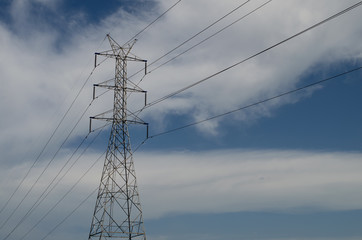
point(203, 30)
point(42, 197)
point(208, 119)
point(45, 169)
point(257, 103)
point(255, 55)
point(70, 214)
point(64, 196)
point(48, 141)
point(208, 38)
point(135, 36)
point(78, 206)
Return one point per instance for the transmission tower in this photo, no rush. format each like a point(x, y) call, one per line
point(118, 213)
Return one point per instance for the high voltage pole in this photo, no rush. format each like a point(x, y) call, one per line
point(118, 213)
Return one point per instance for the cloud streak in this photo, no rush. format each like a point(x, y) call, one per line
point(39, 79)
point(212, 182)
point(42, 69)
point(236, 180)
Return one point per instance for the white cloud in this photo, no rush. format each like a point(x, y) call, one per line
point(206, 182)
point(235, 180)
point(267, 75)
point(36, 76)
point(39, 81)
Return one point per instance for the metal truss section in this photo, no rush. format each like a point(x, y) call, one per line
point(118, 213)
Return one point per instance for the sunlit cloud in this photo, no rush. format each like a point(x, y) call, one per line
point(42, 69)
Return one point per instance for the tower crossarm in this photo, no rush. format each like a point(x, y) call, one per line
point(118, 213)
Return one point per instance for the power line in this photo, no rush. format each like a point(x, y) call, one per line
point(84, 200)
point(211, 36)
point(46, 145)
point(46, 167)
point(41, 198)
point(189, 39)
point(64, 196)
point(257, 103)
point(135, 36)
point(229, 25)
point(70, 214)
point(334, 16)
point(203, 30)
point(255, 55)
point(208, 119)
point(48, 141)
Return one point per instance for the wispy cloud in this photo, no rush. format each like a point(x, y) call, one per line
point(208, 182)
point(230, 180)
point(39, 79)
point(235, 180)
point(41, 71)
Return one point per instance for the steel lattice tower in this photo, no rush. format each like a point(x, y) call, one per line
point(118, 213)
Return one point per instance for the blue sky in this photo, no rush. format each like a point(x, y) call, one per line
point(287, 169)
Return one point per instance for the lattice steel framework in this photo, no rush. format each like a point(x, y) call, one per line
point(118, 213)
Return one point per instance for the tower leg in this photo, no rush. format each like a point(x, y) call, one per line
point(118, 213)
